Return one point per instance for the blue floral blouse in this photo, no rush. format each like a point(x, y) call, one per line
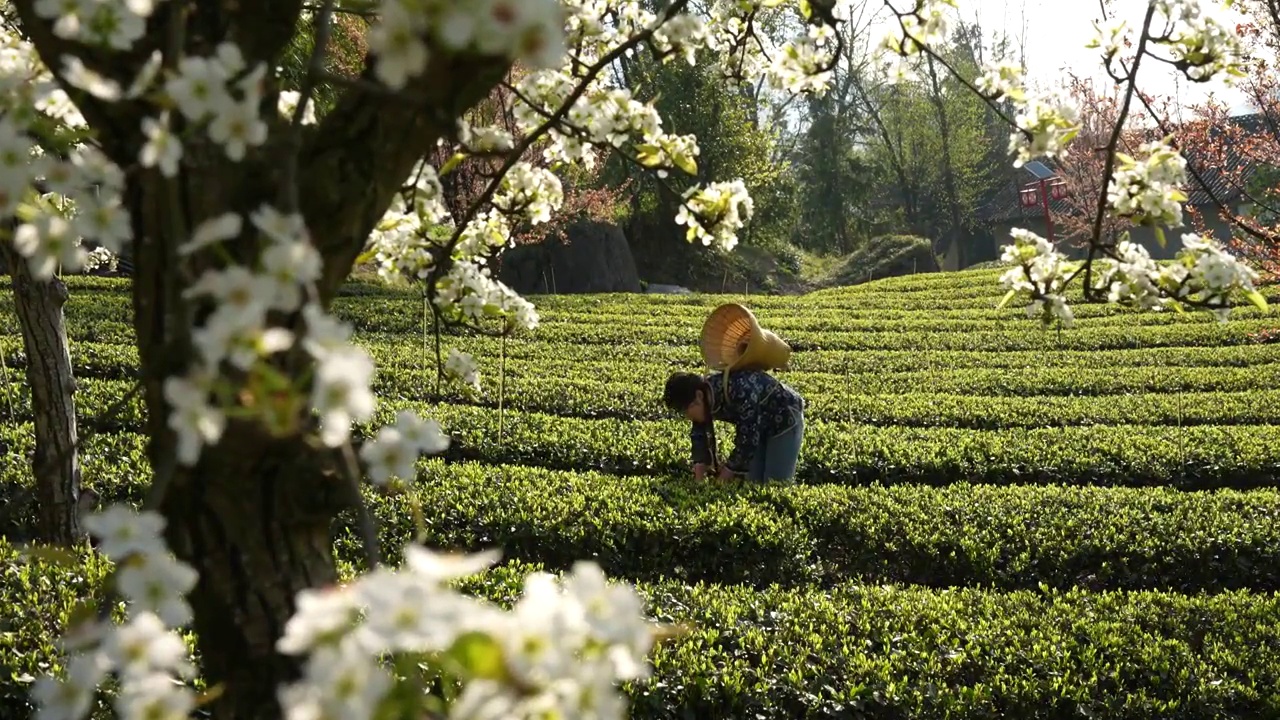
point(759, 405)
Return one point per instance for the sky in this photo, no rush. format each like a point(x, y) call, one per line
point(1056, 31)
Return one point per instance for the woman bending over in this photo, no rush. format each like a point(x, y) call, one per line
point(767, 414)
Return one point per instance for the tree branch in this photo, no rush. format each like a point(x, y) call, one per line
point(353, 165)
point(1109, 163)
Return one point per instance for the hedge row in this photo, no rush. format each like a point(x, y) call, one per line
point(38, 598)
point(1203, 456)
point(408, 306)
point(829, 399)
point(973, 282)
point(890, 652)
point(856, 650)
point(1040, 381)
point(883, 312)
point(1014, 338)
point(831, 322)
point(395, 316)
point(1200, 456)
point(961, 535)
point(832, 399)
point(392, 349)
point(1202, 369)
point(1029, 337)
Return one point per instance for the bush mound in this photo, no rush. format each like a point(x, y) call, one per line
point(886, 256)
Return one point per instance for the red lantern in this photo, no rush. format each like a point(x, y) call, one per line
point(1058, 190)
point(1029, 197)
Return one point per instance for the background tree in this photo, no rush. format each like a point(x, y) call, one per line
point(698, 100)
point(835, 178)
point(936, 140)
point(39, 306)
point(1240, 157)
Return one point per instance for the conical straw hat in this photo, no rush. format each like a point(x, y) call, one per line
point(726, 334)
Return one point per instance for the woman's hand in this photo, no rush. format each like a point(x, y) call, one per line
point(700, 471)
point(726, 473)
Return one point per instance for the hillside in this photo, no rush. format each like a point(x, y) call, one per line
point(992, 520)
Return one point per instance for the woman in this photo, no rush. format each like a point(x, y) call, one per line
point(768, 415)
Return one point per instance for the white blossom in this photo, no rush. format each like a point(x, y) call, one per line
point(1148, 190)
point(162, 149)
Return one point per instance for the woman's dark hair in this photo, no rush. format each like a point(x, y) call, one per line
point(682, 389)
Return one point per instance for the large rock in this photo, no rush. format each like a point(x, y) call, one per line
point(668, 289)
point(592, 257)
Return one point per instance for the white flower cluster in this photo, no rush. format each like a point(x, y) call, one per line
point(1204, 274)
point(609, 117)
point(287, 104)
point(531, 31)
point(238, 331)
point(413, 228)
point(116, 25)
point(1112, 36)
point(100, 257)
point(27, 86)
point(145, 652)
point(925, 24)
point(1201, 45)
point(1132, 278)
point(529, 191)
point(682, 35)
point(801, 64)
point(226, 93)
point(1041, 273)
point(1148, 191)
point(1044, 123)
point(83, 199)
point(557, 653)
point(604, 116)
point(462, 367)
point(715, 214)
point(469, 293)
point(394, 449)
point(484, 138)
point(1001, 78)
point(80, 195)
point(417, 229)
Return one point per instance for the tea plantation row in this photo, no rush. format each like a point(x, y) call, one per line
point(993, 520)
point(856, 650)
point(670, 527)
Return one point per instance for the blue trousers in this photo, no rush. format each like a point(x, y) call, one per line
point(777, 456)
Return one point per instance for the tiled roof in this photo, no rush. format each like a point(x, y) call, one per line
point(1006, 205)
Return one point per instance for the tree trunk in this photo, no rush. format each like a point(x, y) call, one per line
point(254, 517)
point(948, 167)
point(56, 465)
point(256, 523)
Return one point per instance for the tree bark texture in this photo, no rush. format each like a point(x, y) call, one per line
point(56, 466)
